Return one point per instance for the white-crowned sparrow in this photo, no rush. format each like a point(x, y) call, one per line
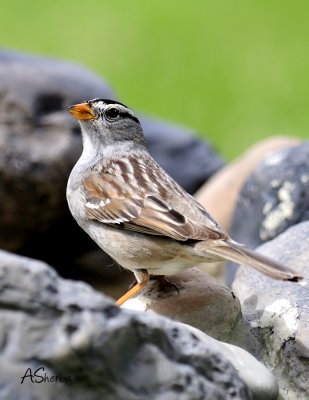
point(135, 211)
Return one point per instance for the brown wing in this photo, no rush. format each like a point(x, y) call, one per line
point(111, 200)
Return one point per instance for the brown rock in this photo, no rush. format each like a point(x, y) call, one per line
point(202, 302)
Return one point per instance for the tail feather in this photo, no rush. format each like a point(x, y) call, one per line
point(235, 252)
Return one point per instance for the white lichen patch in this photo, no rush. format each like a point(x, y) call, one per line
point(282, 315)
point(267, 207)
point(274, 158)
point(304, 178)
point(274, 183)
point(283, 210)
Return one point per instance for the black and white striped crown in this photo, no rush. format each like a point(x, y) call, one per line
point(101, 105)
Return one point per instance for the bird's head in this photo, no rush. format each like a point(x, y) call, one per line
point(106, 122)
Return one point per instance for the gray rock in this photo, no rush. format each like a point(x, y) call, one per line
point(40, 142)
point(276, 314)
point(274, 198)
point(93, 349)
point(257, 377)
point(207, 306)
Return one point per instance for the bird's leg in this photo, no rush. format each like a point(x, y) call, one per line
point(142, 278)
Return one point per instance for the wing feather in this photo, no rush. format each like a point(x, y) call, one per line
point(111, 200)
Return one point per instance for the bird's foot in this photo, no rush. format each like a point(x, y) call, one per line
point(165, 284)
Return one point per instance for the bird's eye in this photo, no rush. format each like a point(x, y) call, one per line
point(112, 113)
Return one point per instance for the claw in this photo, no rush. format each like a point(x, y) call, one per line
point(165, 283)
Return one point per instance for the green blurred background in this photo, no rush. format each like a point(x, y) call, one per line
point(235, 71)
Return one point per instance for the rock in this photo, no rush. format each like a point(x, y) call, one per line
point(207, 306)
point(277, 313)
point(258, 378)
point(39, 144)
point(202, 302)
point(88, 348)
point(275, 197)
point(220, 193)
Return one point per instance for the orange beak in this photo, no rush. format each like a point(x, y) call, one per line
point(82, 112)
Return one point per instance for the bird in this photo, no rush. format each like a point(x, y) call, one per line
point(136, 212)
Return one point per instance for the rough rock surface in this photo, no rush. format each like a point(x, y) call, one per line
point(258, 378)
point(220, 193)
point(275, 197)
point(277, 314)
point(206, 305)
point(40, 142)
point(201, 301)
point(93, 349)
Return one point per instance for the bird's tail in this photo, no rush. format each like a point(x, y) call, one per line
point(232, 251)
